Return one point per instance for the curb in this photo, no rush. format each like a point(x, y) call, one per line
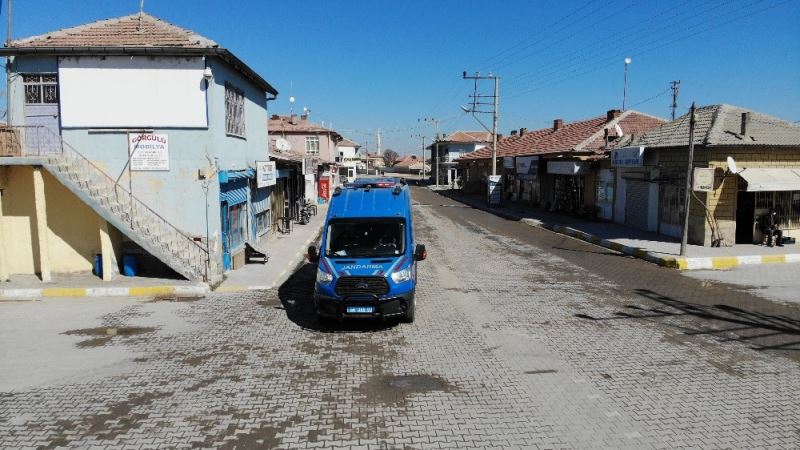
point(295, 261)
point(679, 263)
point(135, 291)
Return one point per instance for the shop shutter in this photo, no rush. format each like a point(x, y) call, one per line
point(637, 194)
point(260, 200)
point(234, 192)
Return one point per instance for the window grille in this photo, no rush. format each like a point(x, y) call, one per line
point(785, 203)
point(234, 111)
point(40, 89)
point(312, 145)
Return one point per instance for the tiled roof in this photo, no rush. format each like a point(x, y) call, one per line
point(348, 143)
point(585, 136)
point(283, 124)
point(406, 161)
point(128, 31)
point(468, 137)
point(720, 125)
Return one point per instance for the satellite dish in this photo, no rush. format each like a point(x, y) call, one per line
point(732, 165)
point(618, 129)
point(283, 145)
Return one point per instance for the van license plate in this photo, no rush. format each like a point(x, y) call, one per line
point(360, 309)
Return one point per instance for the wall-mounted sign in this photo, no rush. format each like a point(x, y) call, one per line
point(527, 167)
point(266, 174)
point(508, 162)
point(148, 151)
point(703, 180)
point(568, 167)
point(627, 157)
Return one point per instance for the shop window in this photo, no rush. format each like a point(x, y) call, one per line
point(786, 204)
point(263, 222)
point(237, 223)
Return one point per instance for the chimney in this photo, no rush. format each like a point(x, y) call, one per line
point(522, 131)
point(304, 117)
point(612, 114)
point(275, 117)
point(745, 122)
point(293, 119)
point(513, 132)
point(558, 124)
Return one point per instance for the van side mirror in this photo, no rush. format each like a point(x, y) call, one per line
point(420, 253)
point(313, 256)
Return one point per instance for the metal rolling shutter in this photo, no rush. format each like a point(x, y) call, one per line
point(636, 204)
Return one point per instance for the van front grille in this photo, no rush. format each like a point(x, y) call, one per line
point(352, 286)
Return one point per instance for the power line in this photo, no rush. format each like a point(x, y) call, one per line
point(609, 61)
point(614, 52)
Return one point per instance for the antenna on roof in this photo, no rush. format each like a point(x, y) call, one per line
point(141, 11)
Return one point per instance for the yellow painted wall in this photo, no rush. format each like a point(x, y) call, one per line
point(74, 237)
point(19, 227)
point(72, 226)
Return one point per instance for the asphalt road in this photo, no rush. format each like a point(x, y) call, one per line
point(524, 338)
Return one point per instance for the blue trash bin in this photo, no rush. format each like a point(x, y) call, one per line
point(98, 265)
point(130, 265)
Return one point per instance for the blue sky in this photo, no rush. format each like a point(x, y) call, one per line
point(368, 65)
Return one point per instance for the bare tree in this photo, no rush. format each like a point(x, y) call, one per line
point(389, 157)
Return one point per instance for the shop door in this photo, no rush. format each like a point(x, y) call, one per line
point(637, 194)
point(745, 217)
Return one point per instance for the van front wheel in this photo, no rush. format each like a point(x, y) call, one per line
point(408, 317)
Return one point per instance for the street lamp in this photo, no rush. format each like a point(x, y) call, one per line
point(625, 83)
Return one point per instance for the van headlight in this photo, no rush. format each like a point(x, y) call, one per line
point(323, 277)
point(402, 275)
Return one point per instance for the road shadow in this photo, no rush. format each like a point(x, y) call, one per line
point(761, 331)
point(297, 300)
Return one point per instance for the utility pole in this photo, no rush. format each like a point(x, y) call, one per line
point(689, 176)
point(494, 181)
point(437, 165)
point(676, 86)
point(8, 66)
point(423, 157)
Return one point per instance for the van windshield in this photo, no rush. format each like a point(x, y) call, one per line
point(365, 238)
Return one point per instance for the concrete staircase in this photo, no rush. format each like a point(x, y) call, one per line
point(130, 216)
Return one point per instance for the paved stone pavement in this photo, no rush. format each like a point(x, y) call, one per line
point(524, 339)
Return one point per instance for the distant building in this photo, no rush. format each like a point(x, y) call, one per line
point(132, 134)
point(446, 150)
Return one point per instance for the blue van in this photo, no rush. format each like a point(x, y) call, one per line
point(367, 261)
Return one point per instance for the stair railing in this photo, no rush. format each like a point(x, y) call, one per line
point(40, 141)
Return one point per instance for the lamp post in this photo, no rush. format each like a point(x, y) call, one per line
point(625, 83)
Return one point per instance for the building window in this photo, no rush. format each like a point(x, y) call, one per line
point(234, 111)
point(237, 225)
point(40, 89)
point(312, 145)
point(263, 222)
point(785, 203)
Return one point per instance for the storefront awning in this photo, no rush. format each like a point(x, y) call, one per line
point(759, 180)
